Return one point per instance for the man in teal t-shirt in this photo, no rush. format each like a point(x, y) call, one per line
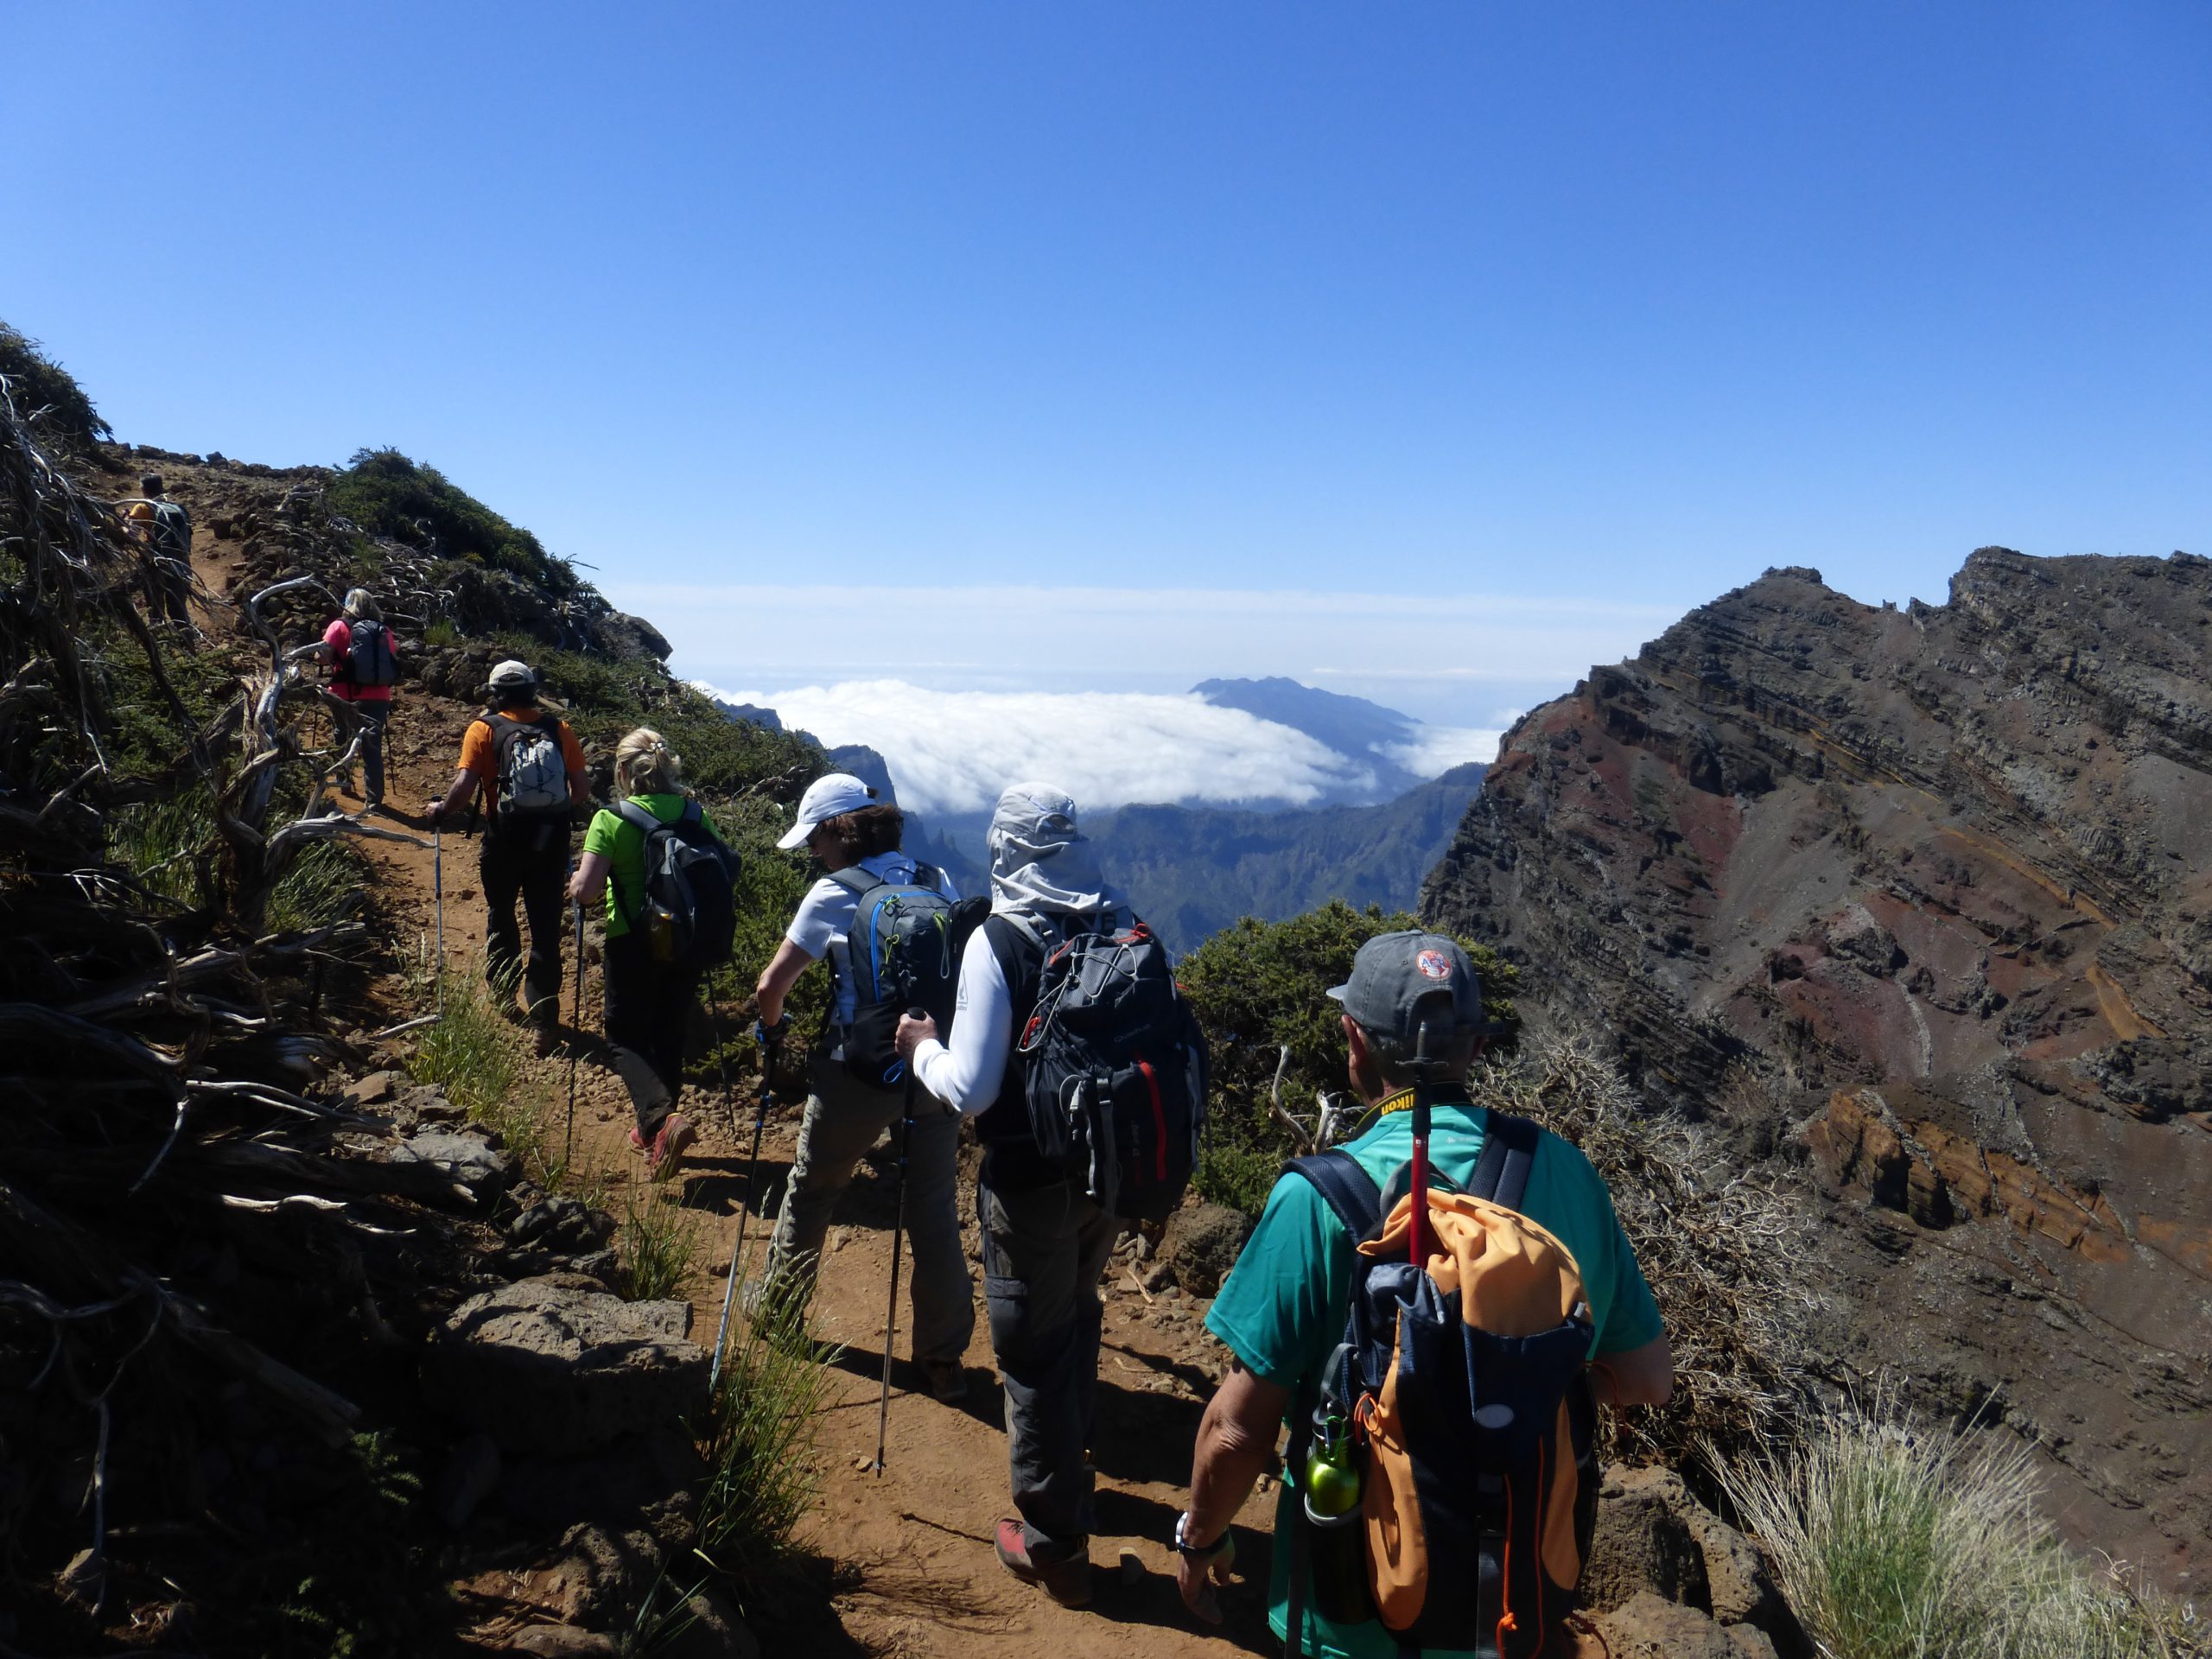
point(1282, 1311)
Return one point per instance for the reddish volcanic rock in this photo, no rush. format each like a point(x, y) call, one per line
point(1939, 879)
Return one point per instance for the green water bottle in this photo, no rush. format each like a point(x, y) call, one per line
point(1336, 1529)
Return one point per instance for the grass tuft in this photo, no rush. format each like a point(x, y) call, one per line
point(470, 1054)
point(762, 1473)
point(1894, 1541)
point(658, 1244)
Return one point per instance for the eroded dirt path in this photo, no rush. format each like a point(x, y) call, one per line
point(901, 1562)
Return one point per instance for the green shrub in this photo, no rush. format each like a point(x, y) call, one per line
point(46, 393)
point(1259, 987)
point(387, 494)
point(1899, 1541)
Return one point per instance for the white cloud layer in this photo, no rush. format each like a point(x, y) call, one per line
point(1450, 658)
point(954, 751)
point(1437, 749)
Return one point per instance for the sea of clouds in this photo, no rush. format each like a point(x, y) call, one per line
point(954, 751)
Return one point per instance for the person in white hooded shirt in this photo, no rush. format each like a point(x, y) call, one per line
point(1044, 1241)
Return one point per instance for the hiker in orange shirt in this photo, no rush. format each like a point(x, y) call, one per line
point(531, 770)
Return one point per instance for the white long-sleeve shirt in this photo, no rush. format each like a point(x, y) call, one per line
point(967, 1076)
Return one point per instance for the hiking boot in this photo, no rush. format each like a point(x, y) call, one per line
point(543, 1039)
point(948, 1380)
point(666, 1153)
point(1066, 1580)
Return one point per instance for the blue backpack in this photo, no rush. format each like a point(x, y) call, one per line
point(904, 944)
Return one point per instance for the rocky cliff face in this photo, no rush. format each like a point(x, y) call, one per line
point(1920, 899)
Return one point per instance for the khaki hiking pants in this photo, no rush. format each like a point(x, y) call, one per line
point(844, 1118)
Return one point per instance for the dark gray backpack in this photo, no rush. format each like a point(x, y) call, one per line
point(1113, 1068)
point(369, 659)
point(687, 913)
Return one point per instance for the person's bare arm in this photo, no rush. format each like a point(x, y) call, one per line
point(465, 783)
point(1236, 1441)
point(1638, 1377)
point(778, 978)
point(589, 883)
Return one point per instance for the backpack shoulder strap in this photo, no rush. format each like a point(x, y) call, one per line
point(1348, 1190)
point(857, 881)
point(1509, 1153)
point(630, 812)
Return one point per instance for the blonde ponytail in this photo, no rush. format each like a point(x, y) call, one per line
point(645, 765)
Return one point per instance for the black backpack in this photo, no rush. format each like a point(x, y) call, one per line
point(369, 659)
point(904, 945)
point(687, 913)
point(1113, 1068)
point(171, 531)
point(1481, 1443)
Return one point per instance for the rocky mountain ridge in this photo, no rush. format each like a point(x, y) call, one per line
point(1916, 901)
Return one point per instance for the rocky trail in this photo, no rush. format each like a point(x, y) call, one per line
point(905, 1556)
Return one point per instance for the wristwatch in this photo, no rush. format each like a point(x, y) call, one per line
point(1197, 1552)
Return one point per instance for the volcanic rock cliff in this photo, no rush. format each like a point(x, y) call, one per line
point(1919, 899)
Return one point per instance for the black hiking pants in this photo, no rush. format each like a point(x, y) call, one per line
point(1044, 1248)
point(648, 1012)
point(537, 876)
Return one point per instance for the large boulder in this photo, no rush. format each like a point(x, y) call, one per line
point(1201, 1245)
point(1646, 1627)
point(548, 1364)
point(1642, 1543)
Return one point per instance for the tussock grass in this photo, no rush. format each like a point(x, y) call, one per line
point(762, 1473)
point(1894, 1541)
point(470, 1054)
point(658, 1244)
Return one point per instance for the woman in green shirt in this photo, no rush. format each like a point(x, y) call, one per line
point(648, 1001)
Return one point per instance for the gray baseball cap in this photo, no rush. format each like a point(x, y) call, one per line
point(1394, 971)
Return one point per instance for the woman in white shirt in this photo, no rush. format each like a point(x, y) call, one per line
point(845, 827)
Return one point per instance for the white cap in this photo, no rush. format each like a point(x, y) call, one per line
point(827, 796)
point(513, 673)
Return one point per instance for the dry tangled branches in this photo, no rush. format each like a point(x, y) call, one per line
point(1722, 1250)
point(176, 1201)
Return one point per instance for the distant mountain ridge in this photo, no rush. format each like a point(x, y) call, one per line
point(1363, 733)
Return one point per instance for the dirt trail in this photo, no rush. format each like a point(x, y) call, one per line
point(905, 1557)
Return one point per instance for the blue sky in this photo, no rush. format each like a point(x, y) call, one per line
point(1600, 308)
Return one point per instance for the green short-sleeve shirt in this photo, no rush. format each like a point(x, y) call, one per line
point(1282, 1311)
point(614, 838)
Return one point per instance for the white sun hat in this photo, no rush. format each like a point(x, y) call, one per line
point(827, 796)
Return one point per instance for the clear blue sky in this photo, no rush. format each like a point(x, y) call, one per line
point(1611, 302)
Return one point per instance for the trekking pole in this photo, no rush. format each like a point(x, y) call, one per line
point(745, 1208)
point(438, 906)
point(897, 1238)
point(569, 1147)
point(1418, 1233)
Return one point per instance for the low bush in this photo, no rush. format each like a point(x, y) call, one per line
point(387, 494)
point(1259, 988)
point(47, 393)
point(1896, 1541)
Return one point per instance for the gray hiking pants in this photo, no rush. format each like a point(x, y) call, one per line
point(1044, 1248)
point(843, 1117)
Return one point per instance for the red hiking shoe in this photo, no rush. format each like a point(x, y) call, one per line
point(665, 1154)
point(1066, 1581)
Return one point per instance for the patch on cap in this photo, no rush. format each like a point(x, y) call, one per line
point(1434, 963)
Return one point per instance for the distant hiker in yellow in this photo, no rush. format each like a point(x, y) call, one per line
point(668, 877)
point(364, 667)
point(166, 529)
point(530, 770)
point(1431, 1308)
